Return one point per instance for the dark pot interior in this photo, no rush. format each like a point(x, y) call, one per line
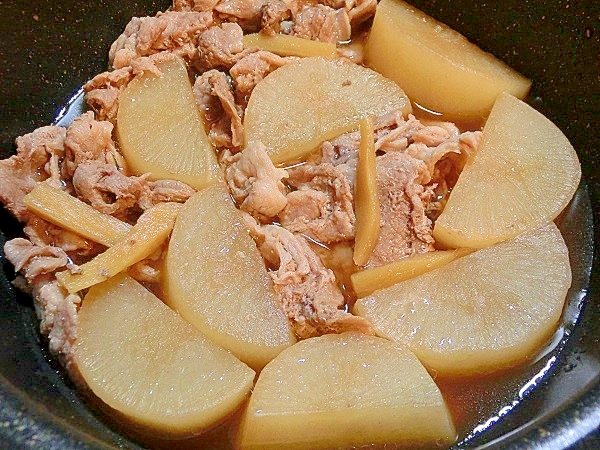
point(52, 47)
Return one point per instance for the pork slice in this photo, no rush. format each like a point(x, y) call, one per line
point(172, 31)
point(56, 309)
point(245, 12)
point(273, 13)
point(322, 23)
point(342, 150)
point(445, 157)
point(105, 188)
point(194, 5)
point(88, 139)
point(404, 228)
point(43, 233)
point(446, 162)
point(391, 132)
point(434, 135)
point(34, 261)
point(255, 183)
point(359, 11)
point(37, 159)
point(469, 143)
point(103, 91)
point(215, 99)
point(395, 133)
point(252, 68)
point(307, 290)
point(160, 191)
point(336, 4)
point(432, 155)
point(321, 207)
point(220, 47)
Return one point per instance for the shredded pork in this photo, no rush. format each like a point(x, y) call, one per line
point(307, 290)
point(175, 32)
point(56, 309)
point(215, 99)
point(255, 183)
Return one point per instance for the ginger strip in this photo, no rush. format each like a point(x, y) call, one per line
point(146, 236)
point(286, 45)
point(366, 200)
point(68, 212)
point(365, 282)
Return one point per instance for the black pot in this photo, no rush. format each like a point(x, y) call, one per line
point(51, 47)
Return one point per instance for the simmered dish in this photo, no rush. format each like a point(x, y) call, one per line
point(256, 221)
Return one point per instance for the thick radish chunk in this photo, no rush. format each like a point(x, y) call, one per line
point(437, 67)
point(486, 311)
point(216, 279)
point(142, 359)
point(300, 105)
point(523, 175)
point(345, 391)
point(160, 129)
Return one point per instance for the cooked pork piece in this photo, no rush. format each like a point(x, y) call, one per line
point(105, 188)
point(102, 92)
point(322, 204)
point(255, 183)
point(252, 68)
point(322, 23)
point(215, 100)
point(404, 227)
point(245, 12)
point(194, 5)
point(307, 290)
point(273, 13)
point(220, 47)
point(88, 139)
point(56, 309)
point(160, 191)
point(37, 159)
point(172, 31)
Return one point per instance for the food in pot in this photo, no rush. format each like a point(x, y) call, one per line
point(302, 172)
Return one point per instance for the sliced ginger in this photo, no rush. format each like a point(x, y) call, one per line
point(142, 359)
point(436, 66)
point(366, 198)
point(300, 105)
point(66, 211)
point(147, 235)
point(345, 391)
point(216, 279)
point(365, 282)
point(489, 310)
point(523, 175)
point(289, 45)
point(160, 129)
